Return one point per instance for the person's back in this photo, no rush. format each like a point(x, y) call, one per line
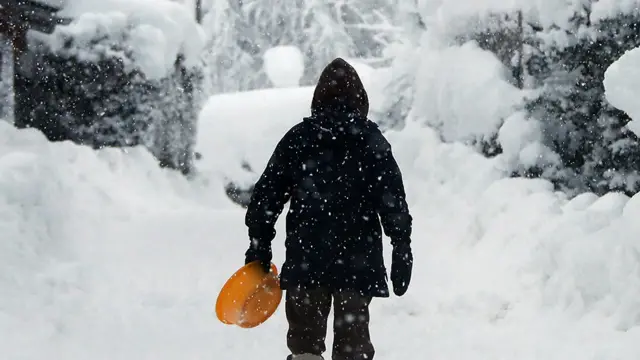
point(338, 171)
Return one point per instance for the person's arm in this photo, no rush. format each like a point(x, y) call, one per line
point(394, 214)
point(391, 197)
point(270, 193)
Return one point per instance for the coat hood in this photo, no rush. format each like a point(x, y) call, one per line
point(339, 90)
point(340, 103)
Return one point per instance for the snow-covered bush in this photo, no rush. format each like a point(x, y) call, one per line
point(120, 79)
point(521, 139)
point(466, 101)
point(452, 85)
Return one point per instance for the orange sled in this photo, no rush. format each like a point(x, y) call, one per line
point(249, 297)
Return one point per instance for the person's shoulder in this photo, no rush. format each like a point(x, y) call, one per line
point(291, 138)
point(297, 128)
point(375, 139)
point(293, 132)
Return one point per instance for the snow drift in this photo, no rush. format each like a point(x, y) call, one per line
point(65, 214)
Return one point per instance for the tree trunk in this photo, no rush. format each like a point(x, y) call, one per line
point(199, 11)
point(21, 86)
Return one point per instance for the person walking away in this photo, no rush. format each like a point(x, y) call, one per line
point(344, 186)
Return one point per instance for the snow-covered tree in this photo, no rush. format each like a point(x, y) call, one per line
point(598, 153)
point(241, 31)
point(107, 79)
point(556, 51)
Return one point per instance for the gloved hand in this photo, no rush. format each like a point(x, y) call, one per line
point(261, 252)
point(401, 267)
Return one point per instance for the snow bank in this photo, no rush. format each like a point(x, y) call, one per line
point(465, 100)
point(622, 86)
point(63, 210)
point(152, 32)
point(244, 128)
point(522, 250)
point(56, 201)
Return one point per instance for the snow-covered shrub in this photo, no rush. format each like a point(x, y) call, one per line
point(523, 151)
point(448, 73)
point(461, 90)
point(466, 101)
point(110, 79)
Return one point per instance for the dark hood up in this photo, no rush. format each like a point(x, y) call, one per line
point(340, 102)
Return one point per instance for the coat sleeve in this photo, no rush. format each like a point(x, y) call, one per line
point(390, 194)
point(270, 193)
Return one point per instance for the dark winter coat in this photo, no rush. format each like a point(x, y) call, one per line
point(339, 173)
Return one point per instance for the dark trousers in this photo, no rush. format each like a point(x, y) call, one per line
point(307, 314)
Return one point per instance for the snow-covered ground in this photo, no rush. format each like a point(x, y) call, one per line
point(104, 256)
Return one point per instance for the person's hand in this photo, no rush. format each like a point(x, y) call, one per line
point(401, 267)
point(261, 253)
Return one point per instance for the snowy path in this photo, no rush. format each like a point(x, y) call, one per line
point(155, 283)
point(151, 282)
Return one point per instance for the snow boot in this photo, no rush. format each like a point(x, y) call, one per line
point(305, 357)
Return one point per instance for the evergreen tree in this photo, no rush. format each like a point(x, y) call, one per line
point(597, 152)
point(107, 100)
